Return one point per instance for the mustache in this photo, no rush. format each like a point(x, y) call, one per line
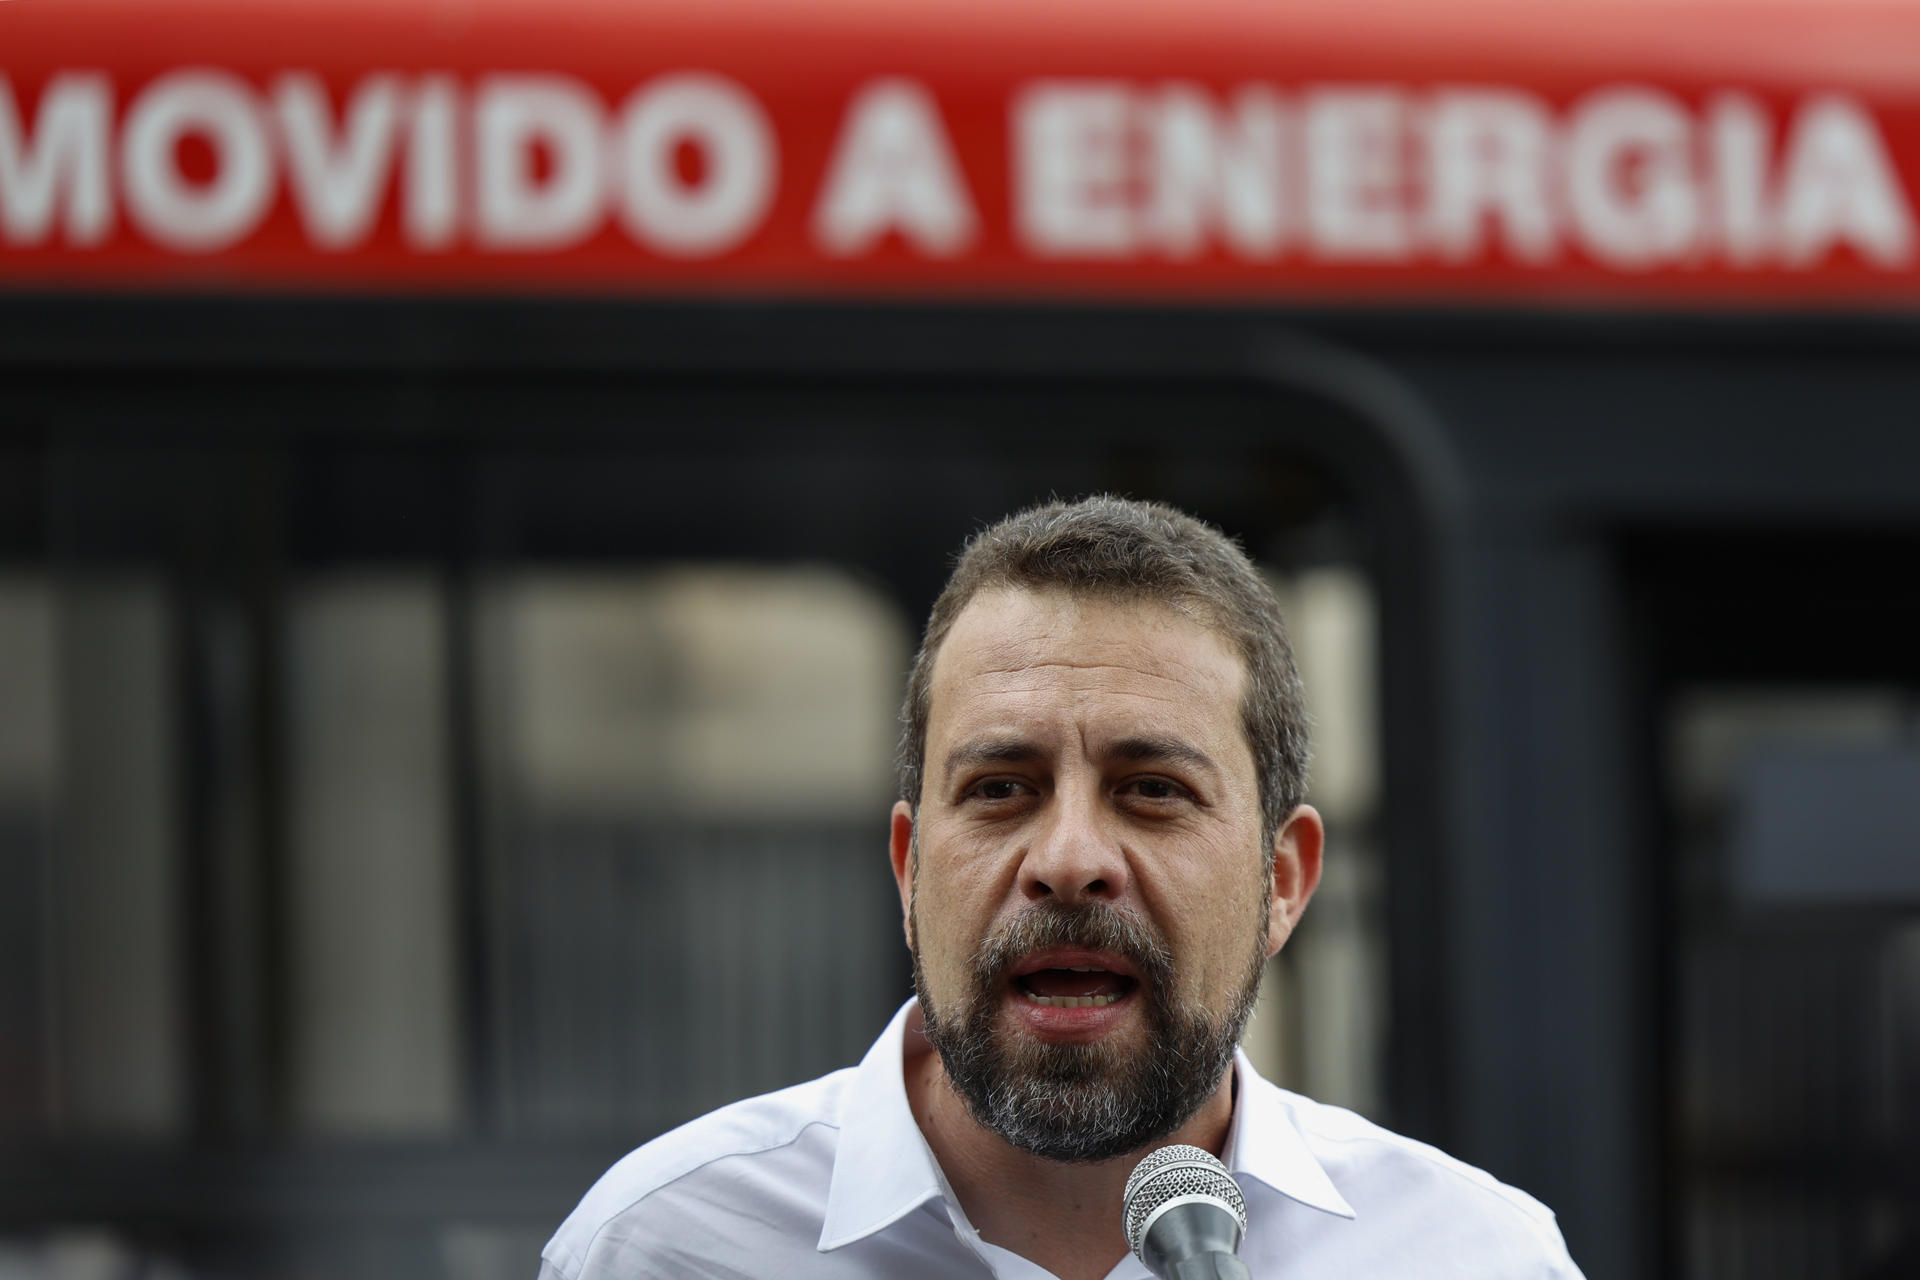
point(1094, 926)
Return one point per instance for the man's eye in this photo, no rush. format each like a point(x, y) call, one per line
point(998, 789)
point(1156, 789)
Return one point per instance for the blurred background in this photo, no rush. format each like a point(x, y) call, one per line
point(472, 476)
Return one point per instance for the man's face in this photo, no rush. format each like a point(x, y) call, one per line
point(1086, 887)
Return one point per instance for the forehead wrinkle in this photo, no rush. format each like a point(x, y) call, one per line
point(1032, 641)
point(1200, 682)
point(1016, 663)
point(1078, 695)
point(1063, 663)
point(988, 687)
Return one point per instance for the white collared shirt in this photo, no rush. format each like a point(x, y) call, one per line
point(833, 1179)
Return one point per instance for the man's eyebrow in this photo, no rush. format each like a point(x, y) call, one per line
point(1162, 750)
point(992, 751)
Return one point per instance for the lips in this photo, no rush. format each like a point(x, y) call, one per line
point(1057, 979)
point(1071, 974)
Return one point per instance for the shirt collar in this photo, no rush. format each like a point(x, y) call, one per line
point(1263, 1144)
point(884, 1170)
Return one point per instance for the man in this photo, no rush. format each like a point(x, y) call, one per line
point(1100, 840)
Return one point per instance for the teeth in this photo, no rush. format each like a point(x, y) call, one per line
point(1073, 1002)
point(1085, 968)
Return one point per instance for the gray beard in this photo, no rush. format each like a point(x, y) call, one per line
point(1083, 1102)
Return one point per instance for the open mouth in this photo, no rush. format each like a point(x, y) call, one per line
point(1077, 986)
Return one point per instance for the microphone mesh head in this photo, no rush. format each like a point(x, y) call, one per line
point(1173, 1171)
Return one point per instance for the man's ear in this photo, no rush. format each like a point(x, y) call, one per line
point(900, 851)
point(1297, 846)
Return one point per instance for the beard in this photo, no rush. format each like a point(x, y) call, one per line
point(1083, 1102)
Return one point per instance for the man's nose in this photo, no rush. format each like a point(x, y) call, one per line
point(1075, 854)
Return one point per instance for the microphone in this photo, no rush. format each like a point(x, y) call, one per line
point(1185, 1216)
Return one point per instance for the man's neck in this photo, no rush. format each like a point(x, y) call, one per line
point(1063, 1217)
